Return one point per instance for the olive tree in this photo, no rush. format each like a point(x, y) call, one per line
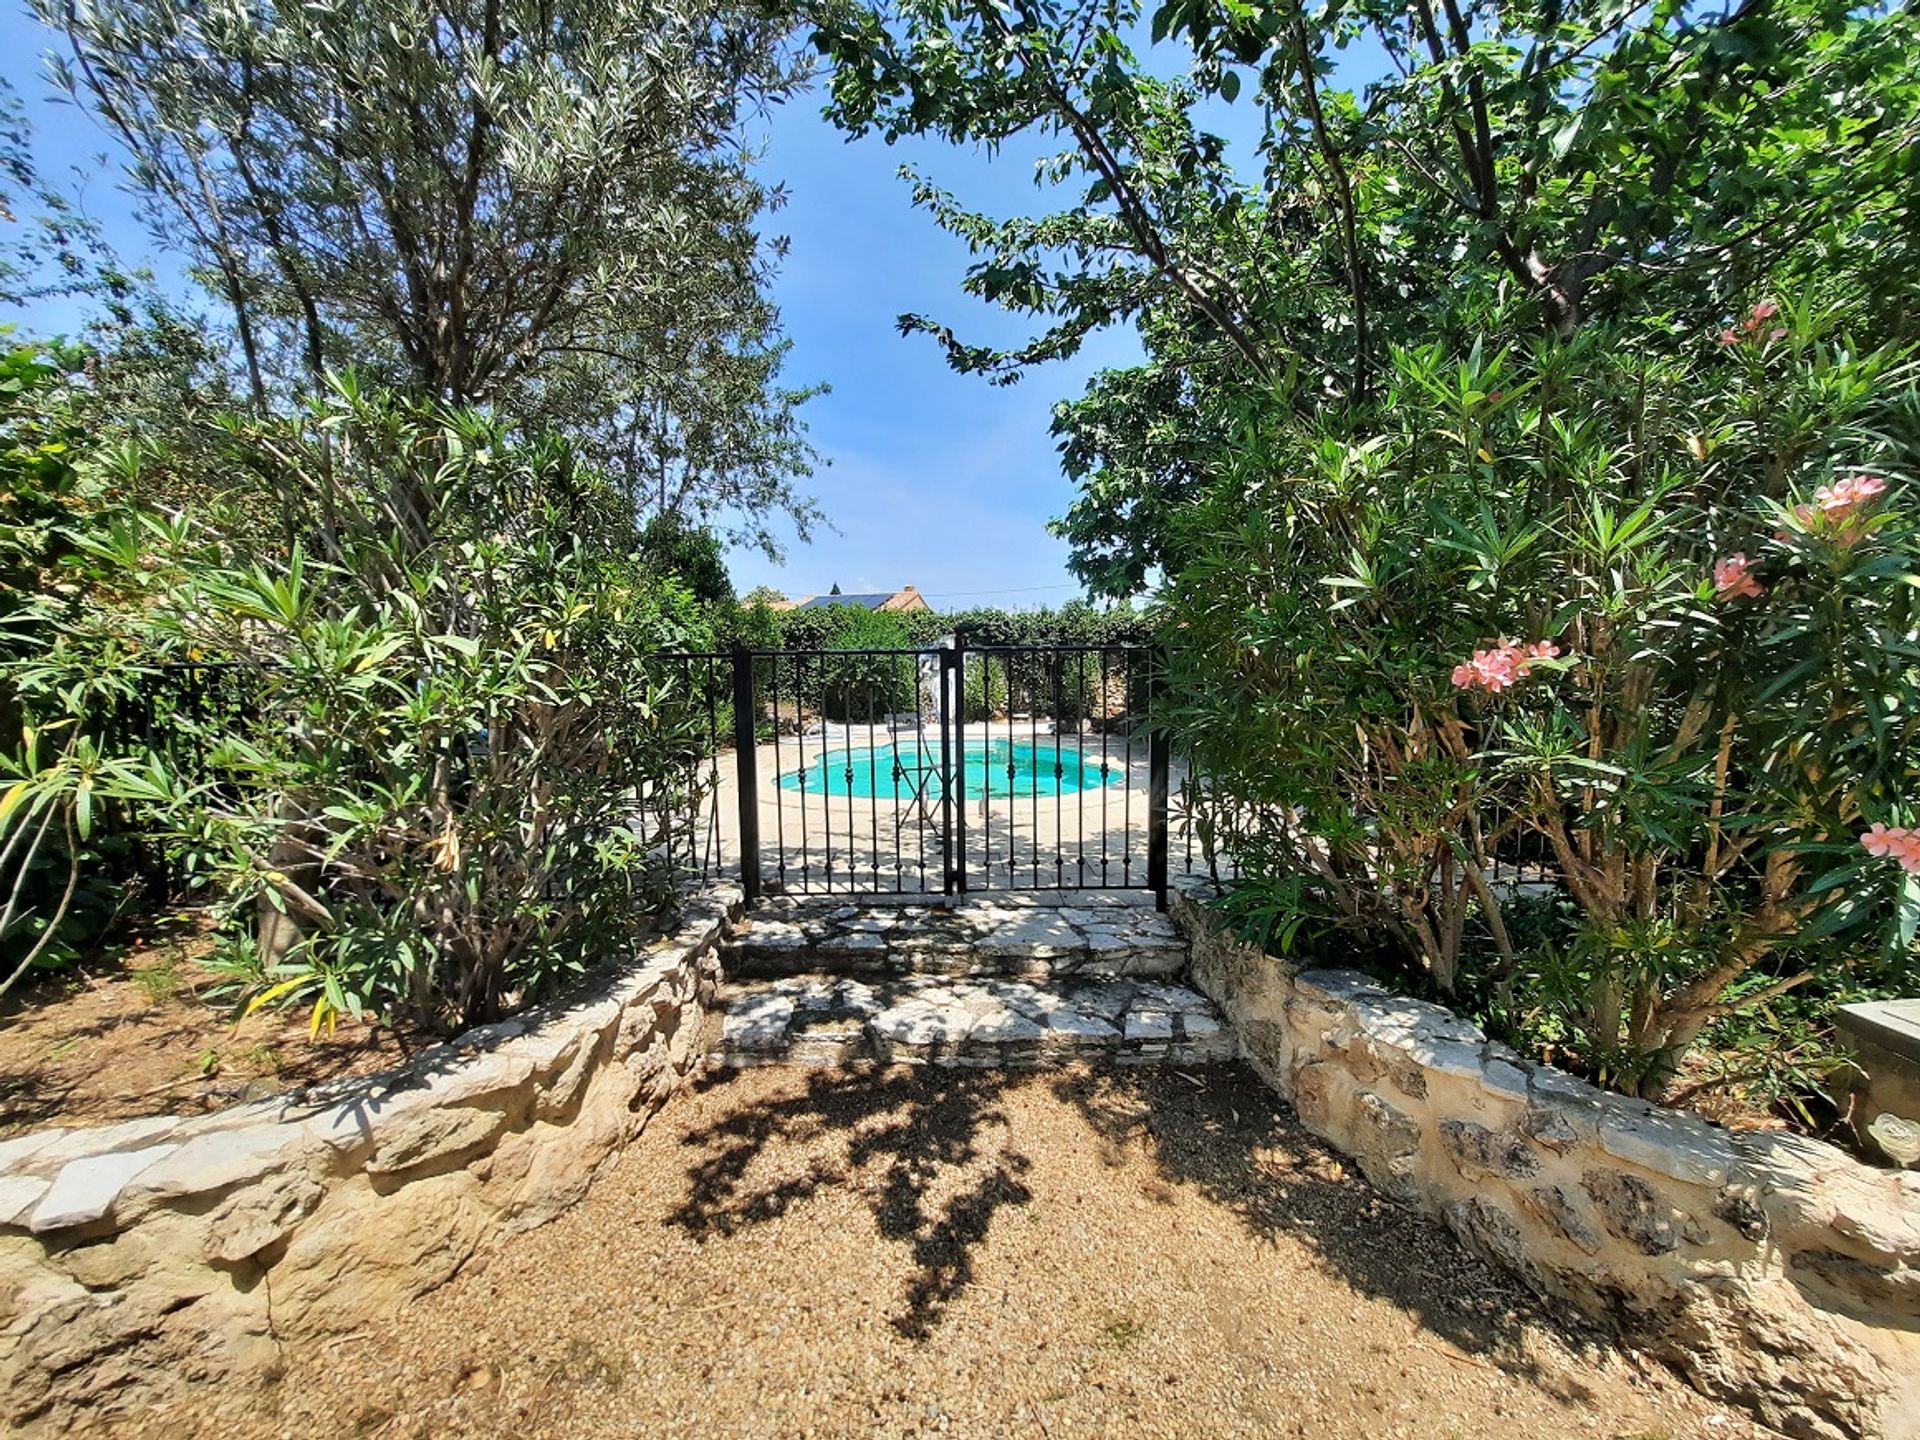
point(546, 207)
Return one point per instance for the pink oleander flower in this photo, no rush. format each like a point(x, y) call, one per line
point(1733, 578)
point(1489, 670)
point(1502, 667)
point(1836, 511)
point(1897, 842)
point(1855, 492)
point(1754, 330)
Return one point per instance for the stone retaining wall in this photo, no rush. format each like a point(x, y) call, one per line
point(167, 1252)
point(1770, 1269)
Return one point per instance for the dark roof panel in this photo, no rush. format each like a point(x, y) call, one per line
point(865, 602)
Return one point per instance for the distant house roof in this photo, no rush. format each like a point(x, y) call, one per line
point(905, 598)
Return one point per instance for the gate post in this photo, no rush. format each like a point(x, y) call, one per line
point(745, 777)
point(1159, 756)
point(952, 684)
point(957, 718)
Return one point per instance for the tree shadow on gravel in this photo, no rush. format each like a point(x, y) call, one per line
point(1220, 1129)
point(922, 1127)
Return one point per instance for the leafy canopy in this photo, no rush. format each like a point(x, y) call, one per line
point(549, 208)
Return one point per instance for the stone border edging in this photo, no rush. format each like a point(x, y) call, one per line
point(1773, 1270)
point(998, 933)
point(160, 1252)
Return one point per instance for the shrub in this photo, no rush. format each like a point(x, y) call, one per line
point(67, 862)
point(852, 688)
point(1657, 616)
point(454, 784)
point(983, 689)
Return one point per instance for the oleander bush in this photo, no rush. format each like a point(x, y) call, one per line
point(449, 781)
point(68, 865)
point(1650, 625)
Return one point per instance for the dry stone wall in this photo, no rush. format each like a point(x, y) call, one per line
point(1771, 1269)
point(1004, 933)
point(171, 1252)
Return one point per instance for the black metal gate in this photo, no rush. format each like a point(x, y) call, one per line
point(950, 770)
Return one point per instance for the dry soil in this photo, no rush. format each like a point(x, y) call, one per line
point(923, 1252)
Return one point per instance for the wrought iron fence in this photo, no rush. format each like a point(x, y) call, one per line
point(190, 711)
point(1206, 816)
point(184, 710)
point(949, 770)
point(1217, 829)
point(686, 803)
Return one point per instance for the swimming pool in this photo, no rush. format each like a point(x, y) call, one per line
point(992, 768)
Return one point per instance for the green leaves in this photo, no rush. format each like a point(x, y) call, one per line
point(1691, 772)
point(1470, 361)
point(546, 207)
point(1509, 181)
point(410, 743)
point(1494, 552)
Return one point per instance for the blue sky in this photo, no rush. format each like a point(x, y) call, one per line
point(937, 479)
point(933, 479)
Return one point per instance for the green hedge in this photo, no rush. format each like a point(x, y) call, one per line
point(1067, 687)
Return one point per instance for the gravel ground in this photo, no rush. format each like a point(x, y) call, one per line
point(904, 1252)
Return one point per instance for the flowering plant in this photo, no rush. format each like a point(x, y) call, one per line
point(1687, 758)
point(1756, 329)
point(1896, 842)
point(1734, 578)
point(1502, 667)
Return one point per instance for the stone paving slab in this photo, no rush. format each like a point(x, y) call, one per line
point(967, 1021)
point(1010, 937)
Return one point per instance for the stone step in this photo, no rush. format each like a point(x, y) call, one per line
point(971, 1021)
point(785, 937)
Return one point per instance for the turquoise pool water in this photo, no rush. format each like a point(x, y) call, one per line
point(992, 768)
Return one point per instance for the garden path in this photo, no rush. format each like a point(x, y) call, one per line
point(905, 1251)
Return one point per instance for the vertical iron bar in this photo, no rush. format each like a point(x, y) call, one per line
point(826, 768)
point(1126, 796)
point(1033, 753)
point(800, 738)
point(1013, 798)
point(1159, 748)
point(1105, 766)
point(680, 821)
point(1080, 770)
point(873, 779)
point(710, 858)
point(744, 758)
point(846, 772)
point(1191, 790)
point(928, 749)
point(779, 804)
point(1059, 779)
point(956, 793)
point(920, 772)
point(949, 871)
point(694, 760)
